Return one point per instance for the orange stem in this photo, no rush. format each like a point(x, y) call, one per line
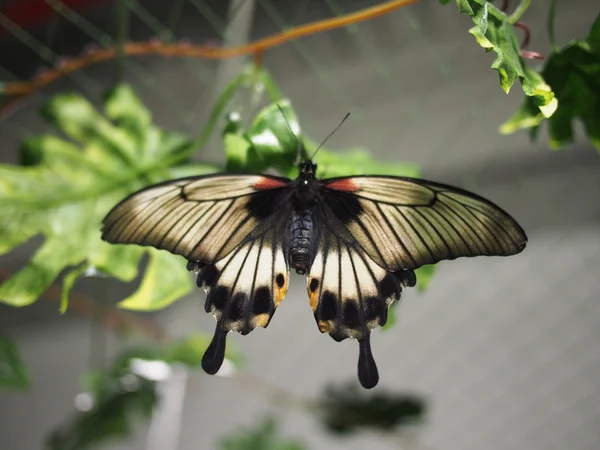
point(24, 88)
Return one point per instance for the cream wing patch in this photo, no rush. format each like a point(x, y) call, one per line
point(349, 293)
point(245, 287)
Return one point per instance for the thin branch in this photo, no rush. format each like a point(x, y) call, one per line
point(517, 13)
point(24, 88)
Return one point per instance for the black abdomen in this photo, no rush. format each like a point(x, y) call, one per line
point(302, 241)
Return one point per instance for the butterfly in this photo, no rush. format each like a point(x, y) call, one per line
point(358, 240)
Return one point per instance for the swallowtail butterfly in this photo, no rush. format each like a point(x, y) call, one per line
point(357, 239)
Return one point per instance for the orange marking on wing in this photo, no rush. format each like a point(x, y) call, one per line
point(262, 320)
point(323, 326)
point(269, 183)
point(345, 184)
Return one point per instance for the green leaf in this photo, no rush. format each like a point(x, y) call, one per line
point(164, 282)
point(345, 409)
point(444, 2)
point(275, 136)
point(241, 155)
point(13, 372)
point(573, 72)
point(68, 187)
point(263, 437)
point(191, 170)
point(68, 282)
point(494, 32)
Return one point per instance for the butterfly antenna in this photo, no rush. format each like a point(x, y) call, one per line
point(299, 155)
point(329, 135)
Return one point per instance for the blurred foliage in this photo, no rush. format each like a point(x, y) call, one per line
point(65, 187)
point(342, 409)
point(573, 72)
point(126, 391)
point(347, 409)
point(13, 371)
point(262, 437)
point(493, 31)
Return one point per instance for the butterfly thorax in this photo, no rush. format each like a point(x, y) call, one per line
point(302, 226)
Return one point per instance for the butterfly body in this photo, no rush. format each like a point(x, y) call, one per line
point(357, 239)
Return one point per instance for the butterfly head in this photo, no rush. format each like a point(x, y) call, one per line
point(308, 169)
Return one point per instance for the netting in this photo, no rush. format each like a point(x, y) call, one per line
point(505, 350)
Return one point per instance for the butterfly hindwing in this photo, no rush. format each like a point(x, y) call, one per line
point(350, 295)
point(201, 218)
point(404, 223)
point(243, 290)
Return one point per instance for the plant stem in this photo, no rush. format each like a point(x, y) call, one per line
point(516, 15)
point(551, 15)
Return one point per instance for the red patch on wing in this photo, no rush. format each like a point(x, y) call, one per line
point(345, 184)
point(269, 183)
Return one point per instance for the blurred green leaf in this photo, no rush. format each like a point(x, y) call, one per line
point(444, 2)
point(164, 282)
point(241, 155)
point(263, 437)
point(274, 136)
point(346, 409)
point(494, 32)
point(13, 371)
point(67, 188)
point(358, 161)
point(573, 72)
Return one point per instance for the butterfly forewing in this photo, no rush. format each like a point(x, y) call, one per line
point(405, 223)
point(201, 218)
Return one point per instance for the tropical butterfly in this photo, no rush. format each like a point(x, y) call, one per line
point(358, 240)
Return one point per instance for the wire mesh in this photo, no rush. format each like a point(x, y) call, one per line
point(507, 351)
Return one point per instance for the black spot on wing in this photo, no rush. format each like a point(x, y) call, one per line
point(217, 298)
point(314, 285)
point(280, 280)
point(351, 315)
point(407, 278)
point(375, 309)
point(389, 286)
point(208, 276)
point(237, 308)
point(263, 303)
point(327, 307)
point(194, 266)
